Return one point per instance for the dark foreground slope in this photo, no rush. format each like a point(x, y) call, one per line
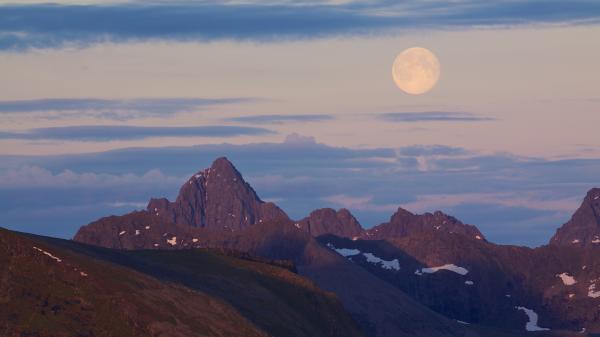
point(53, 287)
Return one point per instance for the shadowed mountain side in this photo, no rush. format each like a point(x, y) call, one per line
point(50, 291)
point(266, 297)
point(478, 282)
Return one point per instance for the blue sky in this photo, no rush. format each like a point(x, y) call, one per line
point(105, 105)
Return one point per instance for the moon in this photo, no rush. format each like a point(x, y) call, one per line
point(416, 70)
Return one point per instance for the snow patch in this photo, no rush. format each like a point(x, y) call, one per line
point(147, 227)
point(575, 241)
point(567, 279)
point(84, 274)
point(596, 240)
point(172, 241)
point(156, 245)
point(477, 237)
point(297, 225)
point(469, 282)
point(345, 252)
point(393, 264)
point(122, 233)
point(449, 267)
point(571, 295)
point(194, 240)
point(48, 254)
point(531, 325)
point(137, 232)
point(592, 292)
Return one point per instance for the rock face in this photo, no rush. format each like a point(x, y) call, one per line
point(217, 197)
point(328, 221)
point(583, 230)
point(404, 223)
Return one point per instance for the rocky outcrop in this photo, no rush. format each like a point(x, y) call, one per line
point(329, 221)
point(583, 229)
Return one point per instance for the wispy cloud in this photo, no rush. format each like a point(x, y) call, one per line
point(280, 119)
point(118, 132)
point(432, 116)
point(56, 25)
point(117, 109)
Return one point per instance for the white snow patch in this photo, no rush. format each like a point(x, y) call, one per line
point(571, 295)
point(122, 233)
point(147, 227)
point(596, 197)
point(194, 240)
point(137, 232)
point(84, 274)
point(596, 241)
point(575, 241)
point(592, 291)
point(469, 282)
point(345, 252)
point(477, 237)
point(385, 264)
point(156, 245)
point(197, 176)
point(355, 238)
point(48, 254)
point(297, 225)
point(531, 325)
point(450, 267)
point(155, 209)
point(172, 241)
point(567, 279)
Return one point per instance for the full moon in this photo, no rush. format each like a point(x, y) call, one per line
point(416, 70)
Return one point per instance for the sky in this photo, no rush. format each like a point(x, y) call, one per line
point(106, 104)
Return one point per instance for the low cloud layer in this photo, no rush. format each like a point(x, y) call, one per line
point(117, 109)
point(59, 25)
point(280, 119)
point(119, 132)
point(511, 199)
point(432, 116)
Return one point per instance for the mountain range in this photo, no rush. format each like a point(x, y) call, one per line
point(323, 275)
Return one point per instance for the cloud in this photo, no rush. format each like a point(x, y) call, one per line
point(359, 203)
point(434, 202)
point(432, 116)
point(117, 109)
point(59, 25)
point(510, 198)
point(118, 132)
point(280, 119)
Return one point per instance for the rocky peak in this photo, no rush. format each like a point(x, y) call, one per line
point(329, 221)
point(217, 197)
point(404, 223)
point(583, 229)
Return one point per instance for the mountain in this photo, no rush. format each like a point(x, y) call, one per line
point(404, 223)
point(52, 287)
point(216, 197)
point(329, 221)
point(415, 275)
point(583, 229)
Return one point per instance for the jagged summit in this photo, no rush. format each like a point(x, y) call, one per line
point(217, 197)
point(329, 221)
point(583, 229)
point(404, 223)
